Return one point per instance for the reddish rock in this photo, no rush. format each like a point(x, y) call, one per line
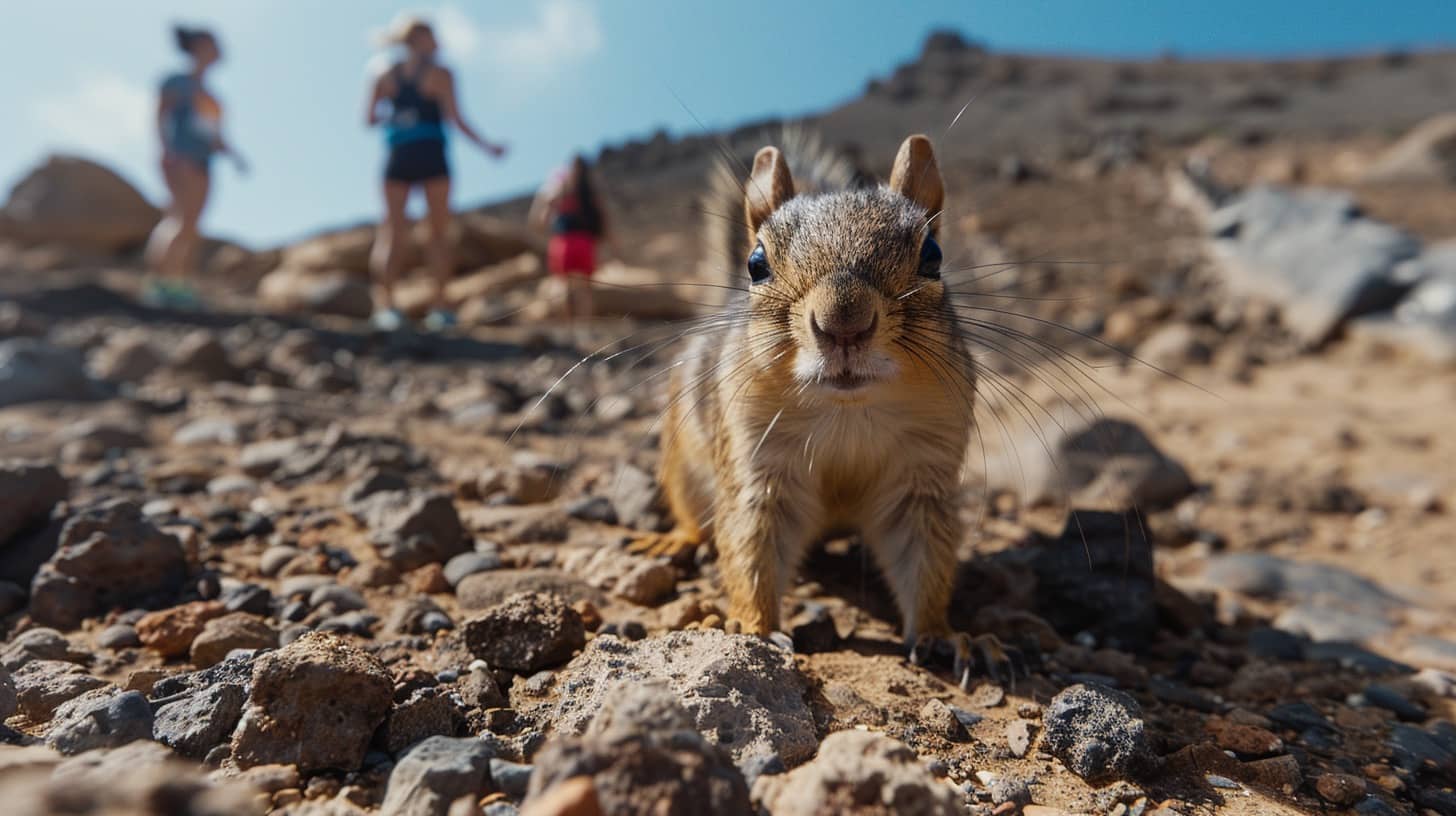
point(170, 632)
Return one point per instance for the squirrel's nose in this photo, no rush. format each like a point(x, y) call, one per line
point(847, 333)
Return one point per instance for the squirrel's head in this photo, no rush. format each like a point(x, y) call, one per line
point(849, 279)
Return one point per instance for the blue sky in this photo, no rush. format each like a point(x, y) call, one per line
point(552, 76)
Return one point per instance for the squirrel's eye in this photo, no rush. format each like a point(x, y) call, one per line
point(758, 265)
point(930, 259)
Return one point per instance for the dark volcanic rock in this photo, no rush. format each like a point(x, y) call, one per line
point(30, 491)
point(201, 721)
point(435, 773)
point(33, 371)
point(1097, 733)
point(9, 701)
point(526, 632)
point(644, 756)
point(413, 529)
point(100, 719)
point(109, 555)
point(1098, 577)
point(314, 703)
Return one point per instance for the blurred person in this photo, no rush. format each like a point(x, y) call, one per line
point(189, 123)
point(414, 99)
point(569, 207)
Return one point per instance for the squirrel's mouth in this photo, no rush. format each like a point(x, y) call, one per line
point(847, 381)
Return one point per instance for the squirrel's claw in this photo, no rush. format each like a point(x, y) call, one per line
point(982, 654)
point(675, 544)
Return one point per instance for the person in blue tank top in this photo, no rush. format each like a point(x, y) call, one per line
point(189, 123)
point(414, 100)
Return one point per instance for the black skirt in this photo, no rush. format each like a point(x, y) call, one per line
point(417, 161)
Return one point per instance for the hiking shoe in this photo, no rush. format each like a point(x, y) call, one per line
point(168, 294)
point(387, 320)
point(440, 320)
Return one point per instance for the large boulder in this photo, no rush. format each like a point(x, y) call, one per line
point(625, 291)
point(1426, 153)
point(109, 555)
point(484, 240)
point(345, 250)
point(32, 370)
point(315, 703)
point(1313, 252)
point(296, 289)
point(68, 200)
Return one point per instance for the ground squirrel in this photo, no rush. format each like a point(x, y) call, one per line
point(839, 397)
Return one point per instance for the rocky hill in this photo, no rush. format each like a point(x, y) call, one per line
point(259, 559)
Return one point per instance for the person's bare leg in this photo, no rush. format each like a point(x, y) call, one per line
point(442, 264)
point(387, 256)
point(171, 244)
point(189, 233)
point(578, 298)
point(586, 305)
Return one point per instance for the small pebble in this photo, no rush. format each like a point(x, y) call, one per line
point(1340, 789)
point(1018, 737)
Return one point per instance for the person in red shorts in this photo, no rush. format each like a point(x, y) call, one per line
point(569, 207)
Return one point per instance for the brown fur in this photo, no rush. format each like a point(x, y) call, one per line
point(840, 397)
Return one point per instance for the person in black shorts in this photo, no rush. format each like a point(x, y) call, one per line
point(414, 100)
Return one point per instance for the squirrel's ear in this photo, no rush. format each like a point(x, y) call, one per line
point(917, 176)
point(769, 186)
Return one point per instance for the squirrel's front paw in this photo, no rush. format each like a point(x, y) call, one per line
point(984, 654)
point(676, 544)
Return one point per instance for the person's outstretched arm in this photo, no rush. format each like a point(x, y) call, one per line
point(452, 113)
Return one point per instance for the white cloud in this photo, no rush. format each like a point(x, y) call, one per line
point(563, 32)
point(104, 114)
point(459, 35)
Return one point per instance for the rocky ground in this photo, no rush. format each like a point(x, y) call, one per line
point(261, 560)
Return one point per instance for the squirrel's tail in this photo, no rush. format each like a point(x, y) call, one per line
point(816, 168)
